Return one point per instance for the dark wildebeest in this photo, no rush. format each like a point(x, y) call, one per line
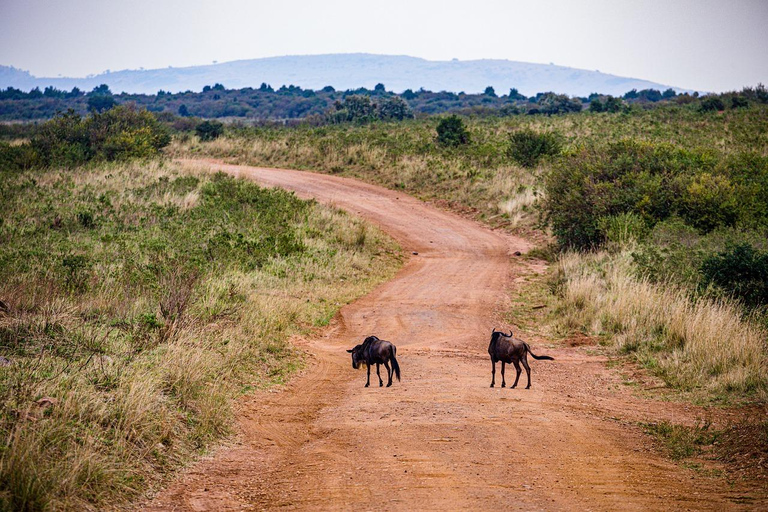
point(378, 352)
point(508, 349)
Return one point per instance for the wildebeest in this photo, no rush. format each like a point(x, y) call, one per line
point(378, 352)
point(508, 349)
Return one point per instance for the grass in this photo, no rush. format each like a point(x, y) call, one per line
point(138, 300)
point(681, 442)
point(741, 447)
point(697, 344)
point(704, 345)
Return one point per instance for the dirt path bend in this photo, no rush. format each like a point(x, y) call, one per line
point(441, 439)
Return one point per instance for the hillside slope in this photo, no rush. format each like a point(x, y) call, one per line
point(349, 71)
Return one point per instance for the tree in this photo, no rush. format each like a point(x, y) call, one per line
point(489, 91)
point(52, 92)
point(596, 105)
point(711, 103)
point(101, 90)
point(452, 132)
point(613, 104)
point(669, 94)
point(209, 130)
point(394, 108)
point(551, 103)
point(631, 95)
point(265, 87)
point(380, 89)
point(183, 111)
point(514, 95)
point(739, 102)
point(355, 108)
point(100, 103)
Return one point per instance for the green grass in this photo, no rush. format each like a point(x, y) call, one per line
point(140, 299)
point(681, 442)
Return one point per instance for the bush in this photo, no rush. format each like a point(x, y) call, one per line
point(209, 130)
point(649, 180)
point(711, 104)
point(120, 133)
point(16, 158)
point(395, 109)
point(452, 132)
point(527, 147)
point(740, 271)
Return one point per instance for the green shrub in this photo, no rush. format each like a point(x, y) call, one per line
point(452, 132)
point(209, 130)
point(711, 104)
point(120, 133)
point(17, 158)
point(527, 147)
point(651, 180)
point(740, 271)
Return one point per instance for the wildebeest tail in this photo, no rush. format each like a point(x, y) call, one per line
point(395, 366)
point(535, 356)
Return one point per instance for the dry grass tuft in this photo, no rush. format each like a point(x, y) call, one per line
point(704, 344)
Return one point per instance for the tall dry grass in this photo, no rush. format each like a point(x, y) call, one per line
point(703, 344)
point(110, 388)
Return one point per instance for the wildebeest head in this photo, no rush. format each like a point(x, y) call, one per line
point(495, 335)
point(357, 356)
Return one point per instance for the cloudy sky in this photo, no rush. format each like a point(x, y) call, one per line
point(697, 44)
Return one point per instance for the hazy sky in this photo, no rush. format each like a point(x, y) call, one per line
point(697, 44)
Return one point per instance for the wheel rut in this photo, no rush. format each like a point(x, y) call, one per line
point(440, 439)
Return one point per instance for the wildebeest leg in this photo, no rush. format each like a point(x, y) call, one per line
point(517, 368)
point(378, 372)
point(503, 382)
point(389, 373)
point(368, 382)
point(527, 370)
point(493, 373)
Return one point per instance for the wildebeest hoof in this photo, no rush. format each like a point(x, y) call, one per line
point(381, 384)
point(513, 387)
point(527, 387)
point(367, 385)
point(503, 385)
point(389, 384)
point(491, 385)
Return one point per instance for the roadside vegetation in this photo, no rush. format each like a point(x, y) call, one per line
point(655, 218)
point(139, 297)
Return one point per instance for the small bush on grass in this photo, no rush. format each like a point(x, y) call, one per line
point(209, 130)
point(740, 271)
point(452, 132)
point(527, 147)
point(120, 133)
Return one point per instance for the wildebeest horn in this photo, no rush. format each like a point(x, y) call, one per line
point(494, 330)
point(349, 350)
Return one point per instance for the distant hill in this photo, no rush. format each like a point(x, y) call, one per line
point(349, 71)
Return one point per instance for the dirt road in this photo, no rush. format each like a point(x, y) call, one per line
point(441, 439)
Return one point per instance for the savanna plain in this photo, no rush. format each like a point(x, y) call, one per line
point(172, 327)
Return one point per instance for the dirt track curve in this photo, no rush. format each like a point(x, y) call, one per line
point(441, 439)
